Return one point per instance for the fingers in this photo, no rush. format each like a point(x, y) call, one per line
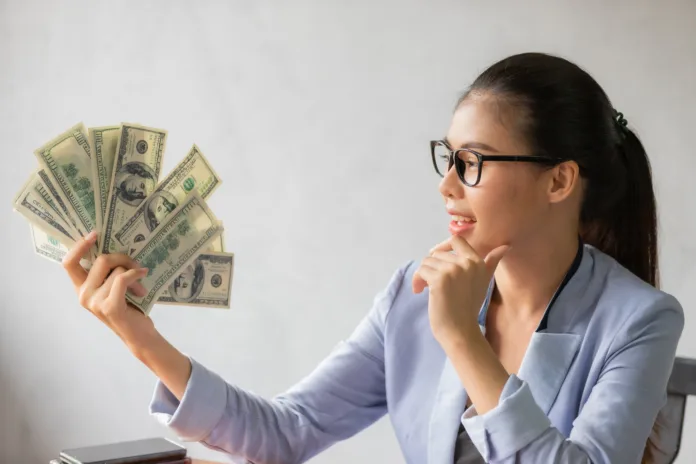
point(442, 246)
point(136, 287)
point(71, 261)
point(463, 249)
point(104, 265)
point(124, 280)
point(460, 247)
point(445, 256)
point(421, 277)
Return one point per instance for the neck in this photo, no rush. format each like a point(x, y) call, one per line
point(529, 275)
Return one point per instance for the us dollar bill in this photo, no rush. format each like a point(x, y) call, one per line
point(175, 244)
point(47, 246)
point(31, 204)
point(207, 281)
point(50, 194)
point(136, 171)
point(194, 172)
point(43, 191)
point(218, 245)
point(66, 160)
point(103, 142)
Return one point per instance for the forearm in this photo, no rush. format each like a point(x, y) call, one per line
point(478, 368)
point(171, 366)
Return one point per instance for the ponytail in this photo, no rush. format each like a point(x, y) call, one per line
point(628, 230)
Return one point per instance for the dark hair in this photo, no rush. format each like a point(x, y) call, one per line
point(561, 111)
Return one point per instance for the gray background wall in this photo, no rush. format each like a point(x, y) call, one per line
point(317, 116)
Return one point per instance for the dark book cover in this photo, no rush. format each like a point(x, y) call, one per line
point(149, 450)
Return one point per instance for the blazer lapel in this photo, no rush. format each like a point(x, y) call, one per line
point(447, 411)
point(552, 349)
point(546, 363)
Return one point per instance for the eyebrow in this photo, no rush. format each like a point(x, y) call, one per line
point(473, 145)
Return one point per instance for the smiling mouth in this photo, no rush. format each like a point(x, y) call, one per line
point(463, 220)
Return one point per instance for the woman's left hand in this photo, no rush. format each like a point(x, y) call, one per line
point(458, 283)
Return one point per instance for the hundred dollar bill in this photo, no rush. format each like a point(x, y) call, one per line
point(194, 172)
point(67, 163)
point(136, 171)
point(47, 246)
point(43, 191)
point(218, 245)
point(31, 204)
point(50, 195)
point(174, 245)
point(103, 142)
point(207, 281)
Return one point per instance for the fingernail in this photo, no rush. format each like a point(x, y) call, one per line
point(92, 235)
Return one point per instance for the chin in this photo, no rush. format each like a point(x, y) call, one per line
point(482, 245)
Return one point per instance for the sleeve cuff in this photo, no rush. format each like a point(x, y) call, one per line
point(510, 426)
point(200, 409)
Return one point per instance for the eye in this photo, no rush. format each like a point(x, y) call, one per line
point(469, 159)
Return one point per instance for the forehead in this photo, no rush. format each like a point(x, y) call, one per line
point(482, 120)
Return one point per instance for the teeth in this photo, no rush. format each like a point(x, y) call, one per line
point(461, 219)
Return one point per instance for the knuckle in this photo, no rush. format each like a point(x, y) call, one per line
point(83, 298)
point(451, 270)
point(98, 308)
point(122, 277)
point(102, 260)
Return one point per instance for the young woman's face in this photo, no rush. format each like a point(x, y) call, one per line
point(511, 200)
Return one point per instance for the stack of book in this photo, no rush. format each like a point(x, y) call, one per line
point(145, 451)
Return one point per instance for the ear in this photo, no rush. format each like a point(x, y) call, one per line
point(564, 180)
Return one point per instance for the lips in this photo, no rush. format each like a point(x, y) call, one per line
point(461, 222)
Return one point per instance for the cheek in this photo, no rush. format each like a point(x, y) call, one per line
point(502, 208)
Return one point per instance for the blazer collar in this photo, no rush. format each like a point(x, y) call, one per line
point(549, 355)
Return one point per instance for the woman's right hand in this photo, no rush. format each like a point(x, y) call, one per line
point(102, 290)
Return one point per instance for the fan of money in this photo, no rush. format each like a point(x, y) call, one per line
point(108, 179)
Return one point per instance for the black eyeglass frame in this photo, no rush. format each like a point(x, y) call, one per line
point(460, 167)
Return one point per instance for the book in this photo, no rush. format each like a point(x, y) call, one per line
point(148, 450)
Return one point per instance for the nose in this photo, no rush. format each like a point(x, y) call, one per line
point(451, 186)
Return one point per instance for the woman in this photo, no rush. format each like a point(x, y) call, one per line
point(534, 334)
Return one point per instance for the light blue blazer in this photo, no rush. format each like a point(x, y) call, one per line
point(588, 389)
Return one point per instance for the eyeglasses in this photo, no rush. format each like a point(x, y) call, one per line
point(468, 162)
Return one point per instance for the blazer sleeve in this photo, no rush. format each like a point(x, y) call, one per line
point(615, 422)
point(343, 395)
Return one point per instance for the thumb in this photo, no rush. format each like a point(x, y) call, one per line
point(493, 258)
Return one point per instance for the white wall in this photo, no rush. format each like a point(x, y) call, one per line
point(317, 115)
